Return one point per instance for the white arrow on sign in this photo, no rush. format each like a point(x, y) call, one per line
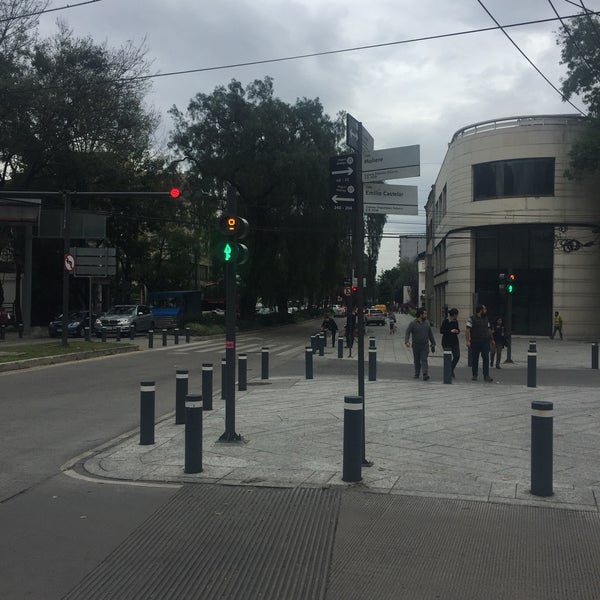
point(337, 199)
point(347, 172)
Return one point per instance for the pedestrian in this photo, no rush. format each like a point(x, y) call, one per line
point(499, 336)
point(392, 321)
point(329, 324)
point(557, 325)
point(479, 340)
point(422, 337)
point(450, 330)
point(350, 331)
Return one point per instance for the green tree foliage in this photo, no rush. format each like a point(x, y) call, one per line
point(391, 282)
point(276, 156)
point(580, 41)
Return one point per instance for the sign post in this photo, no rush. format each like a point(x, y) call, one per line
point(343, 181)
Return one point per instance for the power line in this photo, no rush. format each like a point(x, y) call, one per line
point(47, 10)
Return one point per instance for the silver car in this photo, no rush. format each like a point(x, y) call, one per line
point(124, 318)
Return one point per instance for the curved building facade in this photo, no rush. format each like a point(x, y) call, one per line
point(502, 204)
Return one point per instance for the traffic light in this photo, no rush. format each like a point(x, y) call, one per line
point(502, 283)
point(174, 192)
point(229, 250)
point(510, 286)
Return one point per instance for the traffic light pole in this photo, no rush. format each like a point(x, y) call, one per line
point(66, 275)
point(508, 328)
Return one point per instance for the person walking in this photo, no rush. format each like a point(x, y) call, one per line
point(450, 330)
point(329, 324)
point(499, 336)
point(422, 336)
point(392, 321)
point(558, 323)
point(479, 340)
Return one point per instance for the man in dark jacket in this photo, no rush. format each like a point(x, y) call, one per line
point(479, 339)
point(450, 330)
point(422, 337)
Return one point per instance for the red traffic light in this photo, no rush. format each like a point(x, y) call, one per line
point(174, 192)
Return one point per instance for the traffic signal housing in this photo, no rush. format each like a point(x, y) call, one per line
point(233, 226)
point(230, 250)
point(510, 286)
point(502, 283)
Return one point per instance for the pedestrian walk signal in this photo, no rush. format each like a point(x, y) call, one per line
point(232, 252)
point(510, 286)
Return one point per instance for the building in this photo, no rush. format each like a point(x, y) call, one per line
point(410, 246)
point(501, 203)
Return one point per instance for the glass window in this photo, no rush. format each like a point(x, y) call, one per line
point(520, 177)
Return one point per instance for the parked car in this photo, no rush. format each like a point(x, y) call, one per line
point(78, 320)
point(374, 315)
point(338, 310)
point(124, 318)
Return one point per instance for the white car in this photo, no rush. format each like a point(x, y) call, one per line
point(124, 318)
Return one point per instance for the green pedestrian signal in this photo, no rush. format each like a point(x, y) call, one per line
point(510, 286)
point(232, 252)
point(227, 252)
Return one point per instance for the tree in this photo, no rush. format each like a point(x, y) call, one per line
point(580, 52)
point(391, 282)
point(276, 156)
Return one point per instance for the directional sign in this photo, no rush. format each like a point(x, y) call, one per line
point(342, 181)
point(352, 131)
point(391, 163)
point(383, 198)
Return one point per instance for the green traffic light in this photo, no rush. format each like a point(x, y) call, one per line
point(510, 288)
point(227, 252)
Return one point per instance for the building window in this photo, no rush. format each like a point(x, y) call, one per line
point(520, 177)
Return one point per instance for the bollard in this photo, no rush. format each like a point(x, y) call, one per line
point(176, 336)
point(104, 334)
point(164, 337)
point(595, 355)
point(181, 391)
point(223, 376)
point(353, 423)
point(242, 372)
point(321, 345)
point(2, 332)
point(324, 334)
point(531, 364)
point(21, 329)
point(193, 434)
point(188, 333)
point(447, 365)
point(118, 335)
point(147, 391)
point(541, 447)
point(207, 386)
point(86, 334)
point(264, 364)
point(371, 342)
point(372, 364)
point(313, 343)
point(132, 333)
point(308, 362)
point(340, 347)
point(151, 339)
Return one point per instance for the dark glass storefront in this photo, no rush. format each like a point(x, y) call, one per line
point(526, 251)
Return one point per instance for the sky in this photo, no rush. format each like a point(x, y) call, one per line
point(404, 92)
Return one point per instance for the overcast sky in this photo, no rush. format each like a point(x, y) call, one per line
point(407, 93)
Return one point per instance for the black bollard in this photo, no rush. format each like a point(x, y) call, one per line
point(264, 364)
point(147, 391)
point(242, 372)
point(21, 329)
point(207, 386)
point(193, 434)
point(353, 424)
point(188, 333)
point(313, 343)
point(132, 333)
point(321, 345)
point(86, 334)
point(340, 347)
point(308, 362)
point(223, 377)
point(164, 337)
point(118, 335)
point(541, 448)
point(176, 336)
point(181, 391)
point(447, 366)
point(151, 339)
point(372, 364)
point(104, 334)
point(595, 355)
point(531, 364)
point(2, 332)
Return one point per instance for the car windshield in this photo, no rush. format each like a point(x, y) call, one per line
point(122, 310)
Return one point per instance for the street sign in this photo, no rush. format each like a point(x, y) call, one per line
point(383, 198)
point(95, 262)
point(69, 262)
point(347, 291)
point(352, 129)
point(391, 163)
point(342, 181)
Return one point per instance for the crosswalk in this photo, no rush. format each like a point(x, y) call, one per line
point(244, 345)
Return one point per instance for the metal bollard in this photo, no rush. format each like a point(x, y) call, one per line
point(151, 339)
point(193, 434)
point(595, 355)
point(118, 335)
point(86, 334)
point(181, 391)
point(308, 362)
point(2, 332)
point(541, 448)
point(371, 342)
point(223, 376)
point(188, 333)
point(353, 423)
point(242, 372)
point(313, 343)
point(21, 329)
point(531, 364)
point(372, 364)
point(132, 333)
point(447, 366)
point(340, 347)
point(164, 337)
point(147, 391)
point(321, 345)
point(176, 336)
point(264, 363)
point(104, 334)
point(207, 386)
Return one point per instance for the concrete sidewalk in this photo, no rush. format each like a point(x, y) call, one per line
point(468, 440)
